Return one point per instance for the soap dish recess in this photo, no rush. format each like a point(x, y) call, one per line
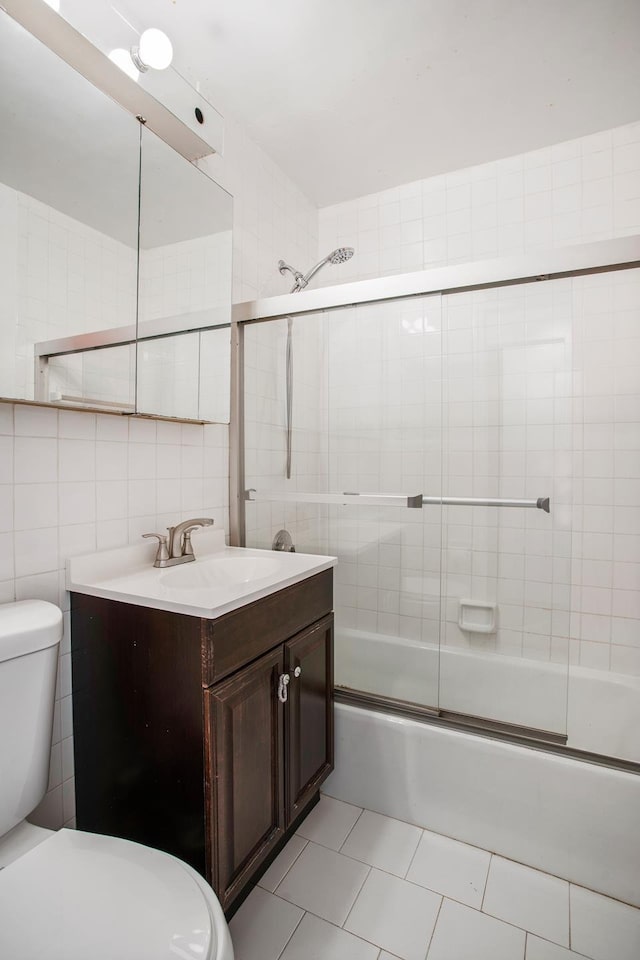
point(477, 616)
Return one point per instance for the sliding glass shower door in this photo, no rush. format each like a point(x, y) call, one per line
point(430, 437)
point(507, 434)
point(366, 443)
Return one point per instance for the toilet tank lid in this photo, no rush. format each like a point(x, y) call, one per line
point(27, 626)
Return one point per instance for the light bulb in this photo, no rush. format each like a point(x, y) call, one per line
point(154, 50)
point(122, 59)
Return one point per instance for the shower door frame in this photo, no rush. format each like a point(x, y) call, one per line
point(580, 260)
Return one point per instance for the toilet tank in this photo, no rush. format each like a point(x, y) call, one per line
point(30, 634)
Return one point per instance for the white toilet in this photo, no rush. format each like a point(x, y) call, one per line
point(68, 895)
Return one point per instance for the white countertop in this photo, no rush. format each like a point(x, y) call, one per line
point(208, 587)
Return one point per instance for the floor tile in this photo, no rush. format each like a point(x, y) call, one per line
point(318, 940)
point(329, 822)
point(395, 914)
point(454, 869)
point(538, 949)
point(285, 859)
point(602, 928)
point(324, 882)
point(465, 934)
point(383, 842)
point(529, 899)
point(262, 926)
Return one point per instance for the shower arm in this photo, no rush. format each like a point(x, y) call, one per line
point(300, 280)
point(307, 277)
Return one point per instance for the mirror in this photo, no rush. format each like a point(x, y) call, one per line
point(185, 285)
point(68, 214)
point(75, 283)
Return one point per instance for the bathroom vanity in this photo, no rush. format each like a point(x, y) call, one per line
point(207, 736)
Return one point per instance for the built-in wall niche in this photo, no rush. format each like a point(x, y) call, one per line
point(115, 251)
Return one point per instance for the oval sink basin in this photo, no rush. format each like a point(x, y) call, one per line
point(222, 572)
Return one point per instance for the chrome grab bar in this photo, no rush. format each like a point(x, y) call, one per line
point(540, 503)
point(390, 500)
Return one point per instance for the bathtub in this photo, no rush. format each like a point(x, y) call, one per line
point(598, 710)
point(577, 820)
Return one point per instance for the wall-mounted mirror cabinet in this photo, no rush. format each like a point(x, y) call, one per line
point(115, 251)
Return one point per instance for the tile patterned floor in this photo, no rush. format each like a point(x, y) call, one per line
point(354, 885)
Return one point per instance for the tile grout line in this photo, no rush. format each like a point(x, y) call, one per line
point(539, 936)
point(317, 916)
point(295, 860)
point(442, 899)
point(486, 884)
point(355, 900)
point(350, 831)
point(292, 933)
point(413, 856)
point(569, 905)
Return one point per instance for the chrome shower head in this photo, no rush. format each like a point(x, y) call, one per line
point(341, 255)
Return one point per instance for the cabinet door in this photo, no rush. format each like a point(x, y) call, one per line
point(309, 714)
point(245, 773)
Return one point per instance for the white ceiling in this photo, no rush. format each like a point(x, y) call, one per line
point(355, 96)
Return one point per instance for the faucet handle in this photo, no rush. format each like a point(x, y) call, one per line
point(187, 546)
point(163, 552)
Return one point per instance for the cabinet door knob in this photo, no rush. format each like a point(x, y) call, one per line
point(297, 671)
point(283, 682)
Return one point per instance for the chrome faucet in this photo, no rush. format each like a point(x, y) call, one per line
point(176, 547)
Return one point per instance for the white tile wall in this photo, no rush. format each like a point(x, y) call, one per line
point(605, 622)
point(58, 276)
point(508, 416)
point(272, 219)
point(577, 191)
point(76, 482)
point(192, 276)
point(190, 283)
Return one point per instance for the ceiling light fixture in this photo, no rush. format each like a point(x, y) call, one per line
point(154, 50)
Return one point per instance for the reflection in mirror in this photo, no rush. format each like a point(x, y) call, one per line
point(185, 285)
point(69, 175)
point(186, 372)
point(168, 375)
point(105, 377)
point(215, 365)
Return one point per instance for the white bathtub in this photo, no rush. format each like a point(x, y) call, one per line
point(573, 819)
point(599, 711)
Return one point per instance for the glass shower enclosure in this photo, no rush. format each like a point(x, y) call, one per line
point(437, 442)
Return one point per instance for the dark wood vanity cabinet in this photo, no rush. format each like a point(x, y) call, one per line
point(188, 736)
point(267, 758)
point(308, 722)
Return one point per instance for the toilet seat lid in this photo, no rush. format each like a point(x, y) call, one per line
point(79, 895)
